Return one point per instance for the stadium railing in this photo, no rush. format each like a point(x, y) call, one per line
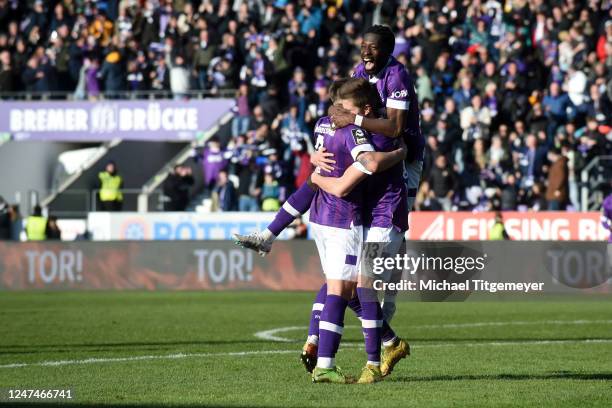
point(150, 94)
point(77, 203)
point(595, 178)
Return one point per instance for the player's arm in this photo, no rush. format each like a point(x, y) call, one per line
point(339, 186)
point(366, 164)
point(392, 126)
point(375, 162)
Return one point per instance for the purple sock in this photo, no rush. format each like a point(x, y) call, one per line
point(387, 333)
point(355, 306)
point(317, 307)
point(301, 199)
point(297, 204)
point(331, 327)
point(371, 323)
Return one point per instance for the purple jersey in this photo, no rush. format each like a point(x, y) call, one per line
point(213, 161)
point(606, 215)
point(346, 144)
point(385, 202)
point(396, 90)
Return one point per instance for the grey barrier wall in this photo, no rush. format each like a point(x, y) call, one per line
point(427, 270)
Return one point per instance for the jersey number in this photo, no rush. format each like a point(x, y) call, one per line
point(319, 142)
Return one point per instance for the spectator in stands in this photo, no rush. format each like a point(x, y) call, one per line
point(442, 181)
point(557, 188)
point(556, 104)
point(177, 187)
point(426, 200)
point(179, 73)
point(5, 220)
point(534, 65)
point(110, 184)
point(225, 193)
point(112, 74)
point(242, 111)
point(531, 159)
point(534, 197)
point(475, 120)
point(16, 222)
point(270, 193)
point(249, 183)
point(36, 225)
point(213, 162)
point(53, 231)
point(8, 75)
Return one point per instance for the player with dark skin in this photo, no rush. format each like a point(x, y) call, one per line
point(375, 55)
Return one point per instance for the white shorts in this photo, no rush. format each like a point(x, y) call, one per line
point(339, 250)
point(412, 176)
point(381, 242)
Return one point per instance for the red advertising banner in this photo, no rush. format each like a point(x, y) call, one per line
point(192, 265)
point(521, 226)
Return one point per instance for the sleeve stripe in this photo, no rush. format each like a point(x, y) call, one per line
point(366, 147)
point(361, 168)
point(395, 104)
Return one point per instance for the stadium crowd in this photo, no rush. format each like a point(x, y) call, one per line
point(515, 96)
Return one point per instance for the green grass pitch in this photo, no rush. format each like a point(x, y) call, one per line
point(200, 349)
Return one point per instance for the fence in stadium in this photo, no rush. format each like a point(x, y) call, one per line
point(151, 94)
point(573, 268)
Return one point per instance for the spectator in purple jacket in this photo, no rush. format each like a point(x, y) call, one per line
point(213, 162)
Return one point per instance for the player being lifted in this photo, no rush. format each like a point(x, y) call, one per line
point(336, 226)
point(385, 221)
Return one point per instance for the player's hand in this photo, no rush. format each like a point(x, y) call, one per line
point(315, 178)
point(322, 159)
point(341, 117)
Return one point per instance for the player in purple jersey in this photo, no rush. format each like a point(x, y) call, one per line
point(606, 216)
point(296, 205)
point(385, 220)
point(401, 119)
point(336, 226)
point(398, 94)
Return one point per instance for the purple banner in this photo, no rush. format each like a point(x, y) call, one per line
point(106, 120)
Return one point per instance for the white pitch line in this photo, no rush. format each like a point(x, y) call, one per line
point(140, 358)
point(511, 323)
point(267, 352)
point(271, 335)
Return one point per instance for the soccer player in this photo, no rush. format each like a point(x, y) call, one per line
point(398, 94)
point(336, 227)
point(385, 217)
point(401, 119)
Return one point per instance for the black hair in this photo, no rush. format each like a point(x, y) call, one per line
point(387, 38)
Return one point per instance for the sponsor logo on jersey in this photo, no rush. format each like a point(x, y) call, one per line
point(399, 94)
point(325, 128)
point(359, 136)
